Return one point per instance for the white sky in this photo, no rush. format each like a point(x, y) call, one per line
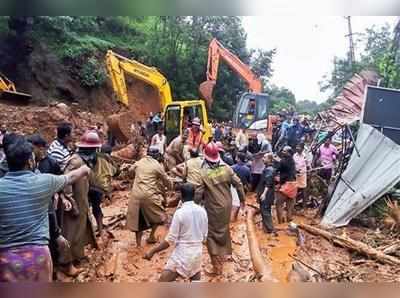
point(305, 47)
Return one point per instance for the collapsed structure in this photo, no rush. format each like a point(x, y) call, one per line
point(372, 169)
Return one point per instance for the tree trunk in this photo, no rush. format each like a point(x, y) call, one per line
point(351, 244)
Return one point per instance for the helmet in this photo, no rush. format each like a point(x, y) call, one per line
point(220, 147)
point(196, 121)
point(90, 139)
point(211, 152)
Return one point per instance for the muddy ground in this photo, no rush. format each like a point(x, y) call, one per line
point(316, 260)
point(118, 259)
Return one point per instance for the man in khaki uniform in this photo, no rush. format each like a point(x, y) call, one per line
point(215, 191)
point(190, 170)
point(76, 226)
point(175, 153)
point(145, 208)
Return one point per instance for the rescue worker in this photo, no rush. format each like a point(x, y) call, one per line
point(145, 208)
point(287, 191)
point(215, 194)
point(266, 193)
point(302, 165)
point(59, 149)
point(175, 152)
point(195, 137)
point(189, 170)
point(77, 227)
point(100, 182)
point(187, 232)
point(159, 140)
point(138, 141)
point(326, 157)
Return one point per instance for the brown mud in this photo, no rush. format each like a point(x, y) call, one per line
point(121, 261)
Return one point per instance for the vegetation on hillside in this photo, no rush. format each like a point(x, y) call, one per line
point(177, 46)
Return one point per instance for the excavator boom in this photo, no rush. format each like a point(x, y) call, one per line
point(175, 111)
point(216, 51)
point(118, 65)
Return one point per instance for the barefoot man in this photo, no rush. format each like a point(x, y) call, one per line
point(215, 192)
point(188, 231)
point(145, 208)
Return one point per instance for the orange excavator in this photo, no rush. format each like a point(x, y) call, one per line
point(252, 110)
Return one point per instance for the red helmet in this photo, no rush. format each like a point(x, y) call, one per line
point(211, 152)
point(90, 139)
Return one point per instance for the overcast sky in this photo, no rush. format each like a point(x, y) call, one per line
point(305, 47)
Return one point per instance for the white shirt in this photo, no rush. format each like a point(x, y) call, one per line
point(159, 142)
point(188, 231)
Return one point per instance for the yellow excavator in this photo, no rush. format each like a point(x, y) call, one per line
point(9, 92)
point(177, 113)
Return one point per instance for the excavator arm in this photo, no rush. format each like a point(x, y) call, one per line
point(118, 66)
point(119, 124)
point(216, 51)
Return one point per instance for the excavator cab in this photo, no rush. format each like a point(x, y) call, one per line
point(178, 116)
point(252, 107)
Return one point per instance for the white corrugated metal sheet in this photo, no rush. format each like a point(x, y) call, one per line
point(369, 176)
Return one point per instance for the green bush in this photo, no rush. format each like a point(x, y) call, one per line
point(92, 73)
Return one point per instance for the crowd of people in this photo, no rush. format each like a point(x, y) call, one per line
point(45, 198)
point(48, 193)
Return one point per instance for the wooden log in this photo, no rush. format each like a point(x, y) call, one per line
point(351, 244)
point(392, 249)
point(262, 270)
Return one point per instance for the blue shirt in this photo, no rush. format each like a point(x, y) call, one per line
point(243, 172)
point(24, 202)
point(284, 128)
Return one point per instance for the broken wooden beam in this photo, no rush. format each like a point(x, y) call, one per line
point(351, 244)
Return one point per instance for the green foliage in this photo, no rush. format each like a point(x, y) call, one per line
point(281, 98)
point(92, 73)
point(261, 63)
point(307, 107)
point(379, 54)
point(176, 45)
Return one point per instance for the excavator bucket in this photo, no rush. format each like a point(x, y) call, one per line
point(15, 97)
point(206, 89)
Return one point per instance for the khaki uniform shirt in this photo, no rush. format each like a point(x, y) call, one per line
point(215, 189)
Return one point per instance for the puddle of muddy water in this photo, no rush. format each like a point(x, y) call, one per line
point(277, 249)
